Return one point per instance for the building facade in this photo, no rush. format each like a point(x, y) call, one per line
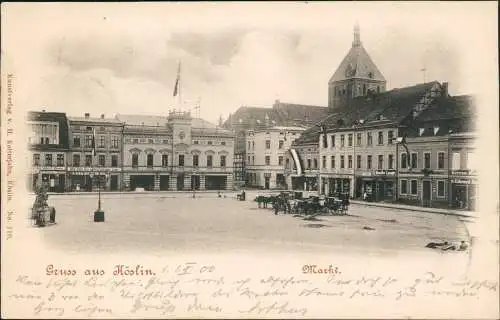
point(87, 172)
point(177, 152)
point(266, 152)
point(48, 146)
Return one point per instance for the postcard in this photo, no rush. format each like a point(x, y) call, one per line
point(249, 160)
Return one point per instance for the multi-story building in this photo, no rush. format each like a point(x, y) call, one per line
point(303, 157)
point(442, 167)
point(266, 152)
point(177, 152)
point(87, 172)
point(47, 145)
point(257, 118)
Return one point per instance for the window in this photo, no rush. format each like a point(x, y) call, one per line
point(268, 144)
point(253, 144)
point(76, 141)
point(196, 160)
point(102, 160)
point(135, 160)
point(440, 160)
point(248, 159)
point(150, 141)
point(114, 160)
point(308, 163)
point(36, 160)
point(455, 161)
point(414, 187)
point(427, 160)
point(102, 142)
point(380, 137)
point(223, 143)
point(48, 160)
point(114, 142)
point(315, 161)
point(349, 140)
point(209, 160)
point(358, 161)
point(280, 160)
point(88, 160)
point(332, 162)
point(248, 144)
point(268, 160)
point(369, 139)
point(414, 160)
point(223, 161)
point(368, 162)
point(342, 140)
point(349, 161)
point(280, 146)
point(358, 139)
point(390, 164)
point(441, 186)
point(60, 160)
point(390, 137)
point(76, 160)
point(287, 163)
point(380, 162)
point(164, 160)
point(342, 162)
point(181, 160)
point(253, 159)
point(135, 140)
point(333, 141)
point(194, 142)
point(404, 160)
point(88, 141)
point(404, 187)
point(323, 162)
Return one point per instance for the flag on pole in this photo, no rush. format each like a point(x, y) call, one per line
point(93, 142)
point(177, 80)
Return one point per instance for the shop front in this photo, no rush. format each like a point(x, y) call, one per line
point(339, 185)
point(215, 182)
point(55, 177)
point(378, 185)
point(463, 193)
point(92, 179)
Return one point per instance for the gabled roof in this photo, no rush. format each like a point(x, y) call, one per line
point(462, 106)
point(357, 63)
point(386, 108)
point(281, 114)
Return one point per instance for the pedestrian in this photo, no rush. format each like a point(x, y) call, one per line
point(275, 206)
point(365, 195)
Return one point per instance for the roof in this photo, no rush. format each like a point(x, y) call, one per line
point(462, 106)
point(281, 114)
point(357, 64)
point(46, 116)
point(386, 108)
point(147, 120)
point(95, 120)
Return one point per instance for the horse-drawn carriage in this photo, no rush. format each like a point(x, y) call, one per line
point(41, 213)
point(290, 202)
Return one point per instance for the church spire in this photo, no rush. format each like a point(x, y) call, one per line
point(357, 39)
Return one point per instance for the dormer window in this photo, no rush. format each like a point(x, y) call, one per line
point(421, 131)
point(436, 129)
point(340, 122)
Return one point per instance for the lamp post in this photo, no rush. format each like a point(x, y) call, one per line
point(99, 213)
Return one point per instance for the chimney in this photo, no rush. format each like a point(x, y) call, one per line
point(87, 115)
point(102, 116)
point(444, 89)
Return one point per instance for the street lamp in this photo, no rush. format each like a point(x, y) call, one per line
point(99, 213)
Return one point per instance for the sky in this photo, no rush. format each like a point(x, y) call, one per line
point(108, 58)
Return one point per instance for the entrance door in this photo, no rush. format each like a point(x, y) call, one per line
point(180, 181)
point(426, 193)
point(380, 191)
point(266, 182)
point(195, 182)
point(114, 183)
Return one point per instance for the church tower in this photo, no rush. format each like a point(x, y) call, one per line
point(355, 76)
